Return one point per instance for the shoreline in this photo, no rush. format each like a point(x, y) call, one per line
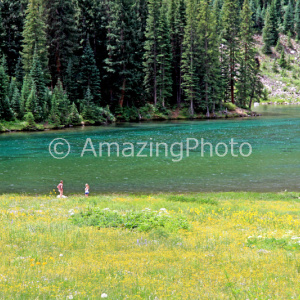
point(276, 103)
point(294, 194)
point(16, 127)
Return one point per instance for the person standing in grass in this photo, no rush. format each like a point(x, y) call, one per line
point(87, 190)
point(60, 188)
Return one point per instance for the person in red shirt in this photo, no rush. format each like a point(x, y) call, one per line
point(60, 188)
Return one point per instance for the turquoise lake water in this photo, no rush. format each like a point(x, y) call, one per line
point(274, 165)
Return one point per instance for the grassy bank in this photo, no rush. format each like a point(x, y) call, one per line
point(236, 246)
point(228, 111)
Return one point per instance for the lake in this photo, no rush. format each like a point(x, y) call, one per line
point(26, 164)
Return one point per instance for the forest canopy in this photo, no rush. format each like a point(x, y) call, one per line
point(68, 61)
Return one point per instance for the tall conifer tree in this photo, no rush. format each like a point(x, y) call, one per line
point(230, 35)
point(270, 31)
point(34, 35)
point(62, 35)
point(288, 23)
point(190, 60)
point(209, 57)
point(13, 16)
point(176, 17)
point(297, 20)
point(6, 112)
point(151, 50)
point(125, 51)
point(90, 76)
point(164, 80)
point(248, 70)
point(37, 77)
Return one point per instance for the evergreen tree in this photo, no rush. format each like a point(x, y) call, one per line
point(248, 72)
point(259, 19)
point(289, 43)
point(54, 112)
point(137, 23)
point(12, 15)
point(32, 104)
point(92, 26)
point(90, 76)
point(282, 61)
point(230, 34)
point(278, 46)
point(297, 20)
point(19, 74)
point(176, 16)
point(61, 102)
point(62, 35)
point(2, 34)
point(34, 35)
point(164, 79)
point(25, 92)
point(47, 103)
point(190, 61)
point(37, 77)
point(209, 57)
point(11, 88)
point(4, 64)
point(216, 10)
point(151, 50)
point(74, 117)
point(288, 23)
point(87, 19)
point(5, 109)
point(253, 8)
point(113, 61)
point(263, 13)
point(16, 103)
point(278, 10)
point(270, 32)
point(89, 108)
point(71, 81)
point(29, 118)
point(274, 66)
point(124, 48)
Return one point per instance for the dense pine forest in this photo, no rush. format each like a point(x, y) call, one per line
point(68, 61)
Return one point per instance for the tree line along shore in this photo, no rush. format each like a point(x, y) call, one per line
point(93, 62)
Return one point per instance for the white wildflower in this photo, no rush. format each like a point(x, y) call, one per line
point(147, 209)
point(263, 251)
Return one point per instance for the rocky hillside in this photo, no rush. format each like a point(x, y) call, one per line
point(282, 84)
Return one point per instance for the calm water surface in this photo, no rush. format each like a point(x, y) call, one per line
point(27, 166)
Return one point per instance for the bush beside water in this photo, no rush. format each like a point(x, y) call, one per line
point(145, 220)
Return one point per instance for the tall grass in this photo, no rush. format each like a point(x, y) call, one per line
point(239, 245)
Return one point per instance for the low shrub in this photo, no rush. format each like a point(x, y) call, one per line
point(285, 243)
point(230, 106)
point(30, 123)
point(127, 114)
point(145, 220)
point(147, 112)
point(97, 115)
point(191, 198)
